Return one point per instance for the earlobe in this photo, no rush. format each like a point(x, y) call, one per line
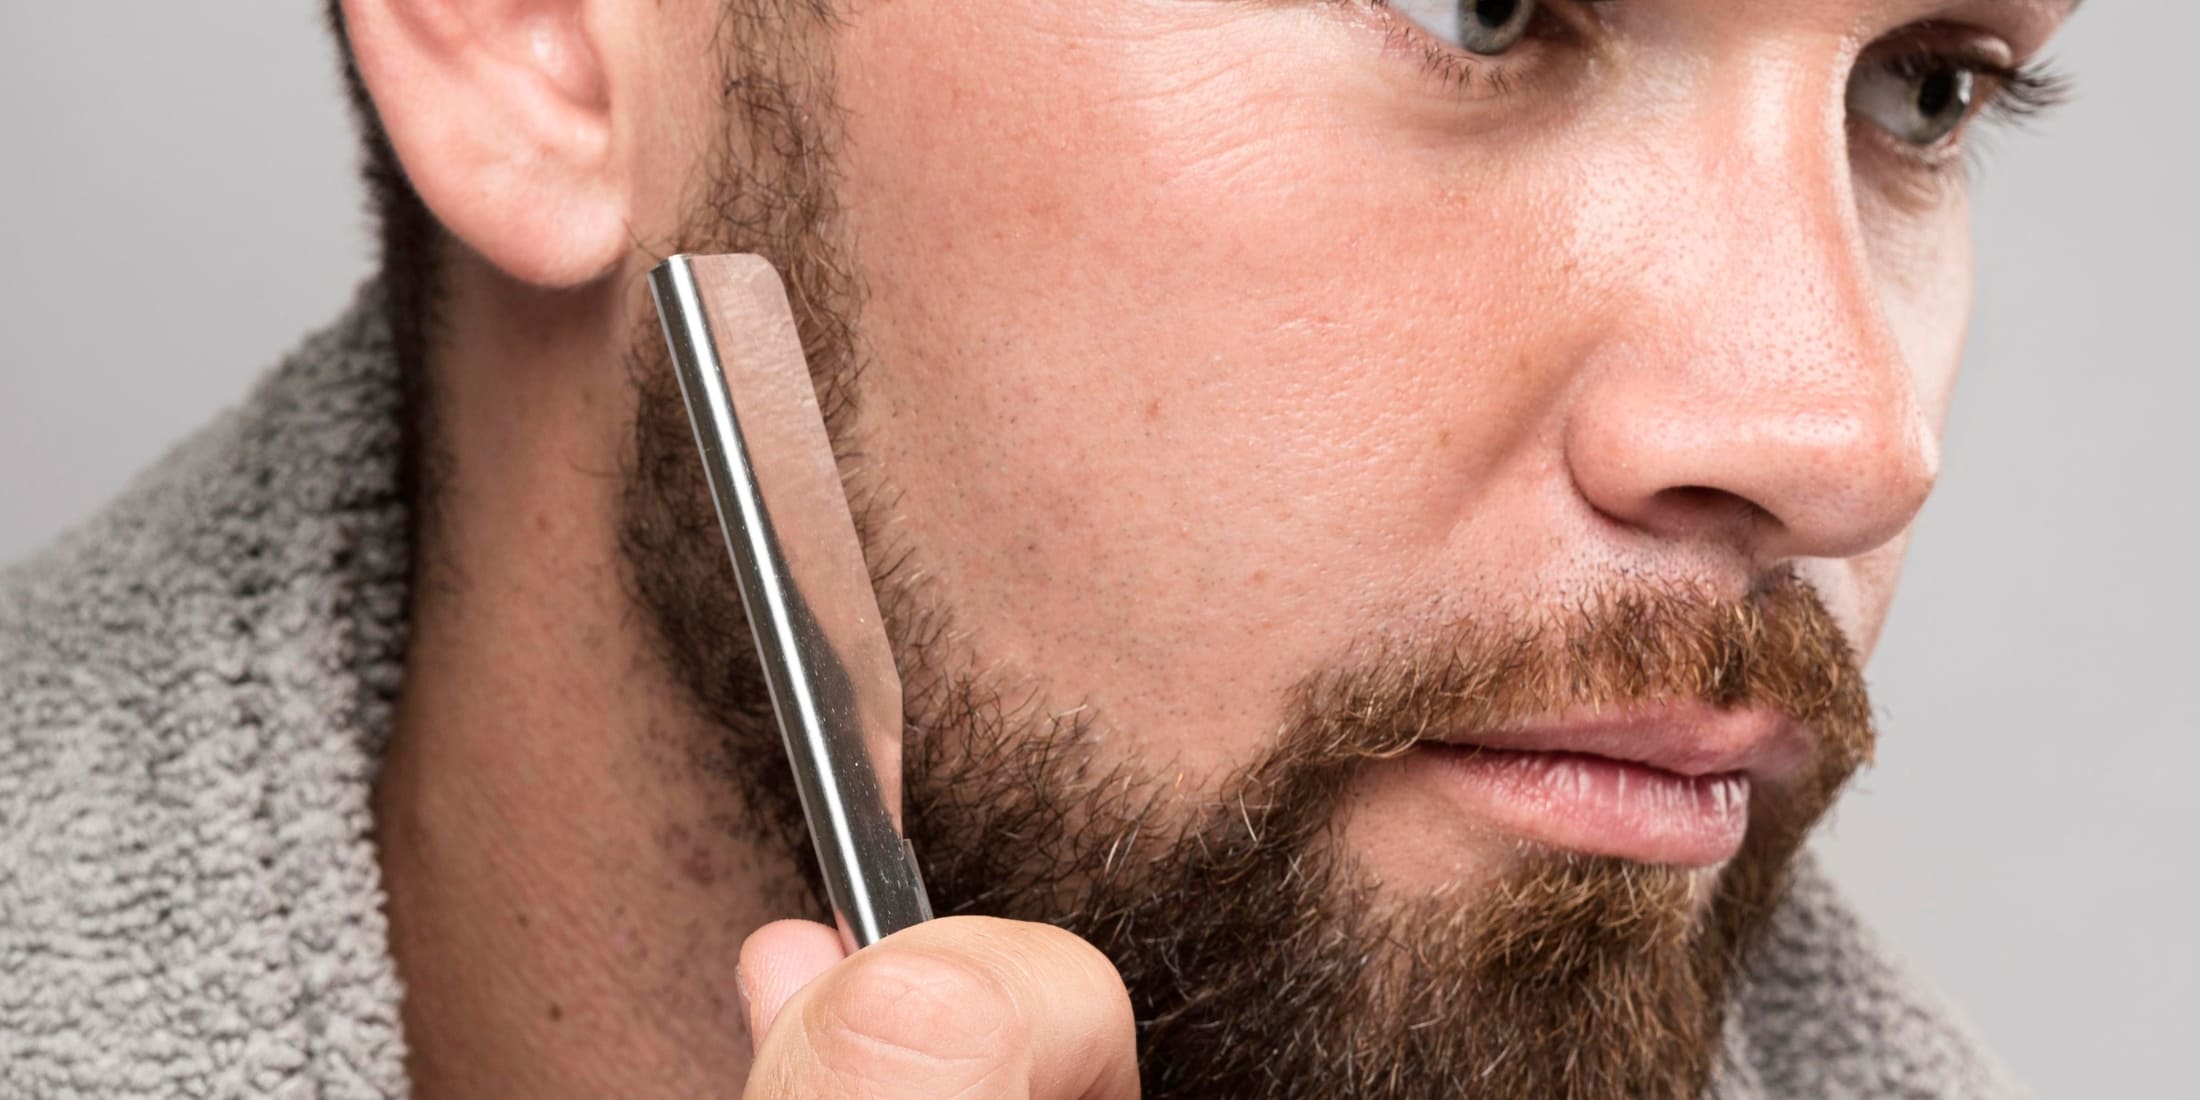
point(501, 115)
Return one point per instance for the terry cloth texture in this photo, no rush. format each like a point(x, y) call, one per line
point(195, 687)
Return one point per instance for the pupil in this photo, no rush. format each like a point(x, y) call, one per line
point(1940, 91)
point(1495, 13)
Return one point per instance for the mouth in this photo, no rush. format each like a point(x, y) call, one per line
point(1664, 785)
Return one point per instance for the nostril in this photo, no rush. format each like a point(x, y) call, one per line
point(1701, 514)
point(1701, 506)
point(1698, 497)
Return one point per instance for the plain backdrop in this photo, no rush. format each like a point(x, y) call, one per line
point(177, 206)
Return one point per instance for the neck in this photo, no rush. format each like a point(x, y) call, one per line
point(566, 899)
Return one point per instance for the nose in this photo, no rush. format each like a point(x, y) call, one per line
point(1747, 389)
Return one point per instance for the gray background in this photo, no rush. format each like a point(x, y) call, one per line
point(2027, 835)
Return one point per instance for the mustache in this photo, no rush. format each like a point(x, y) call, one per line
point(1776, 646)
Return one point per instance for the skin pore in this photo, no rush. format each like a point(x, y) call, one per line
point(1181, 351)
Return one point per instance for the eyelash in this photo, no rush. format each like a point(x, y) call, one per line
point(2021, 93)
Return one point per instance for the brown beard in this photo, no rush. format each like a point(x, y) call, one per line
point(1261, 959)
point(1264, 962)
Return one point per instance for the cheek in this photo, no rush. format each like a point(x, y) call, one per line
point(1171, 358)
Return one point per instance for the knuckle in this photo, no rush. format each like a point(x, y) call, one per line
point(899, 1013)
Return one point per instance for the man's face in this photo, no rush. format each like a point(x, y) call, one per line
point(1215, 341)
point(1222, 380)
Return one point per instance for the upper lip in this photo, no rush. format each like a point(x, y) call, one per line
point(1688, 739)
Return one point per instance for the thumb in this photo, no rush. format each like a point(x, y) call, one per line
point(777, 960)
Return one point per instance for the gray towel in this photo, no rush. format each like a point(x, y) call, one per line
point(194, 691)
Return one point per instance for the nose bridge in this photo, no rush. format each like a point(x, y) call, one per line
point(1753, 356)
point(1771, 245)
point(1785, 305)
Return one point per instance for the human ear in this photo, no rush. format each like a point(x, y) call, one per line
point(500, 113)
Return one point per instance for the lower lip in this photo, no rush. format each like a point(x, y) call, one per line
point(1598, 805)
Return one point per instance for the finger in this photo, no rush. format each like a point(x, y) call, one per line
point(777, 960)
point(953, 1007)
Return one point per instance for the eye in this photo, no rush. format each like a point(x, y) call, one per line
point(1485, 27)
point(1920, 100)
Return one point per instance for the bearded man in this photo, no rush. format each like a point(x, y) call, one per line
point(1379, 506)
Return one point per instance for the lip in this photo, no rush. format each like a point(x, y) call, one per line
point(1664, 785)
point(1686, 740)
